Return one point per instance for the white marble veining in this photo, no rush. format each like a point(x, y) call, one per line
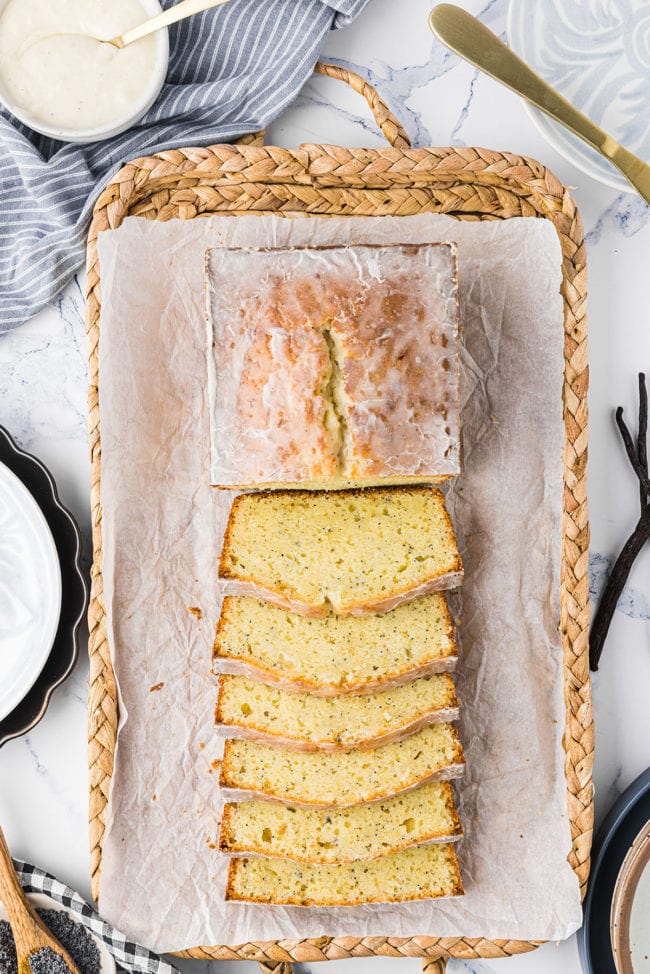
point(43, 379)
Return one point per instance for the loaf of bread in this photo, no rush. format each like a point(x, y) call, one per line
point(420, 873)
point(427, 814)
point(333, 366)
point(252, 711)
point(339, 778)
point(351, 552)
point(334, 654)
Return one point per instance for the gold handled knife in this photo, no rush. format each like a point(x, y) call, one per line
point(469, 38)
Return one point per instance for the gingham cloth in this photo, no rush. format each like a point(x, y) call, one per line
point(232, 70)
point(129, 956)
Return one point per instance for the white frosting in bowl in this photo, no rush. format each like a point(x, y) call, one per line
point(58, 74)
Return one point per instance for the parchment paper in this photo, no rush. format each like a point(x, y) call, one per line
point(162, 879)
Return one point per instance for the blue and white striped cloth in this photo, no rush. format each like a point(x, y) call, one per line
point(232, 70)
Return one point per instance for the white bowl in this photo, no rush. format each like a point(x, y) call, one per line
point(597, 55)
point(30, 590)
point(124, 122)
point(40, 901)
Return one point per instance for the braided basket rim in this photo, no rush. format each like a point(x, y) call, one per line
point(323, 180)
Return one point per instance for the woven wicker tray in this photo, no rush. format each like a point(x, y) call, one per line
point(325, 180)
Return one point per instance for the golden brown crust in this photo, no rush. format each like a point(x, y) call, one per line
point(218, 713)
point(459, 889)
point(225, 828)
point(224, 570)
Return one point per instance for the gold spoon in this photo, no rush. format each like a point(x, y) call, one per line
point(30, 933)
point(186, 8)
point(466, 36)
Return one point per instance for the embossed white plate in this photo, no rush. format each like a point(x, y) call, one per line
point(597, 54)
point(30, 590)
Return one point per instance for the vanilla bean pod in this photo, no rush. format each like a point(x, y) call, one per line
point(638, 457)
point(642, 437)
point(632, 454)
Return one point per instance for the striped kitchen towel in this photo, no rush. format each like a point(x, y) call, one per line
point(231, 71)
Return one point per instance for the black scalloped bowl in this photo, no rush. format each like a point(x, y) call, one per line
point(74, 591)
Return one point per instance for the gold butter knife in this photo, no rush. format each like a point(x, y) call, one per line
point(469, 38)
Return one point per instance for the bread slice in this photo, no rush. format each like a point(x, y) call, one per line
point(252, 711)
point(334, 655)
point(340, 778)
point(424, 872)
point(351, 552)
point(427, 814)
point(332, 366)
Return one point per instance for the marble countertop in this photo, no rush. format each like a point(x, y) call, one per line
point(43, 382)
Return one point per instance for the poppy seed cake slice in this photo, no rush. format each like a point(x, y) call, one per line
point(339, 778)
point(362, 832)
point(334, 655)
point(252, 711)
point(354, 552)
point(424, 872)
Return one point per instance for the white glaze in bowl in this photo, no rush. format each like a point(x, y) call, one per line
point(112, 124)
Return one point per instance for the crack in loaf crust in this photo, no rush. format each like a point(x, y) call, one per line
point(247, 710)
point(335, 835)
point(353, 552)
point(334, 655)
point(424, 872)
point(333, 366)
point(340, 778)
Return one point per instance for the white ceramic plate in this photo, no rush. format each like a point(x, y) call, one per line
point(30, 590)
point(597, 54)
point(42, 902)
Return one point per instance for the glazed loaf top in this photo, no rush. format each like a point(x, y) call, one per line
point(333, 366)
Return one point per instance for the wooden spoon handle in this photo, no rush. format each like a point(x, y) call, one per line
point(11, 892)
point(30, 933)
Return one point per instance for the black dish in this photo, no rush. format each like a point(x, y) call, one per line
point(615, 836)
point(74, 591)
